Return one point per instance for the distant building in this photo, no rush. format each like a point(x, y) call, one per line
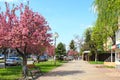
point(107, 45)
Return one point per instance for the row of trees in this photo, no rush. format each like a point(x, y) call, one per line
point(108, 12)
point(61, 49)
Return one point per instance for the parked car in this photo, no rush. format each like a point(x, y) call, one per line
point(43, 58)
point(34, 58)
point(70, 58)
point(2, 56)
point(13, 61)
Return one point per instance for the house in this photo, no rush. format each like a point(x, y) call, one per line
point(85, 55)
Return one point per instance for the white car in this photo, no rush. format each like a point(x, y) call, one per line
point(14, 61)
point(70, 58)
point(2, 56)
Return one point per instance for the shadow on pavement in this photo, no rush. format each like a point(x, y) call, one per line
point(63, 73)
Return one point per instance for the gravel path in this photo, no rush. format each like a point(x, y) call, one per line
point(81, 70)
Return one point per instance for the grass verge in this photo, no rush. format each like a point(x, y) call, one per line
point(49, 65)
point(15, 72)
point(97, 62)
point(109, 66)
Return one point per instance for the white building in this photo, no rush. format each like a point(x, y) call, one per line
point(117, 50)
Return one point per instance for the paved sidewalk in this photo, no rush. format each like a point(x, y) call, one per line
point(81, 70)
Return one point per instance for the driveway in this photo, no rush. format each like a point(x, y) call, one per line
point(81, 70)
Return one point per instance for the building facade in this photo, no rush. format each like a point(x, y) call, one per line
point(117, 50)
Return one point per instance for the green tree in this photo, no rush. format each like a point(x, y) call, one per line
point(87, 46)
point(97, 38)
point(72, 45)
point(108, 12)
point(60, 50)
point(92, 41)
point(96, 41)
point(87, 39)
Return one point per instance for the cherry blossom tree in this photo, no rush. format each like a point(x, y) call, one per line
point(50, 50)
point(26, 33)
point(72, 53)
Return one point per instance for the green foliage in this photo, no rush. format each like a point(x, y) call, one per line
point(72, 45)
point(108, 12)
point(93, 41)
point(88, 44)
point(60, 50)
point(87, 35)
point(97, 38)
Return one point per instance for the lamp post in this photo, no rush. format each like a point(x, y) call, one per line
point(55, 37)
point(111, 52)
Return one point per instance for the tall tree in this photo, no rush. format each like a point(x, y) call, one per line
point(72, 45)
point(97, 41)
point(26, 33)
point(60, 50)
point(97, 37)
point(89, 43)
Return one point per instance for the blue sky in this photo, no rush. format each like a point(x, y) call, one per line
point(66, 17)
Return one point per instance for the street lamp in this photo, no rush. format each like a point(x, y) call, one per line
point(55, 37)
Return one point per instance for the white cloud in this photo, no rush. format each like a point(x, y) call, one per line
point(90, 26)
point(86, 26)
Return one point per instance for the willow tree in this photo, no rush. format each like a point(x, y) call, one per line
point(108, 13)
point(97, 40)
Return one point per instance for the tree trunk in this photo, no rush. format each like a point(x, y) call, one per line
point(113, 39)
point(88, 58)
point(54, 60)
point(24, 67)
point(5, 53)
point(95, 56)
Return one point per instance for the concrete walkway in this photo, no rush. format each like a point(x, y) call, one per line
point(81, 70)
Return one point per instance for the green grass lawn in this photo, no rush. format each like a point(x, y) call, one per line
point(15, 72)
point(109, 66)
point(49, 65)
point(97, 62)
point(11, 73)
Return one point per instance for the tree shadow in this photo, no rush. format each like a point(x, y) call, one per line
point(63, 73)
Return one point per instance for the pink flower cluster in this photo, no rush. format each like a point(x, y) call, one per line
point(27, 32)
